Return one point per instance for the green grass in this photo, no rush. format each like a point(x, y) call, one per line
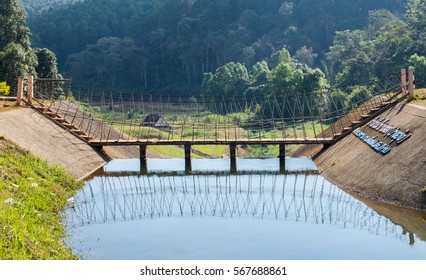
point(419, 97)
point(215, 151)
point(269, 151)
point(32, 196)
point(167, 151)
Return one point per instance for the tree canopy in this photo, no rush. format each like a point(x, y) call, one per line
point(175, 42)
point(17, 57)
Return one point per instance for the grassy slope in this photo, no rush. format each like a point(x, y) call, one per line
point(32, 197)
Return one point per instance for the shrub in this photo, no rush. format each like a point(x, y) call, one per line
point(4, 88)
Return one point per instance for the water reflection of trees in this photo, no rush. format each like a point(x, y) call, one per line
point(301, 198)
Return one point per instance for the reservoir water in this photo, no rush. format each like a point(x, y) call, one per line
point(256, 213)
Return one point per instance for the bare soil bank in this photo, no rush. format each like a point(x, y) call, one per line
point(396, 178)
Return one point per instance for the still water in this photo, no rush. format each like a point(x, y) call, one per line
point(257, 213)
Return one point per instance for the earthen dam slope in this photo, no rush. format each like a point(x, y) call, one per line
point(396, 178)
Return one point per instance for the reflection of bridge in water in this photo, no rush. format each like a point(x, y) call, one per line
point(297, 197)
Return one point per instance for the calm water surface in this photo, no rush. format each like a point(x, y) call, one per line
point(256, 213)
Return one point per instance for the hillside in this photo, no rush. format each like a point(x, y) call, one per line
point(168, 45)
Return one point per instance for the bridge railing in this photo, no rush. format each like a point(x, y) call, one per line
point(121, 117)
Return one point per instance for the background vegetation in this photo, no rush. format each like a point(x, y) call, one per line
point(172, 46)
point(17, 57)
point(168, 45)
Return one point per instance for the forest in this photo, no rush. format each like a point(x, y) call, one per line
point(33, 7)
point(227, 47)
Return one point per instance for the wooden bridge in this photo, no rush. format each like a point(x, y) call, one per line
point(120, 119)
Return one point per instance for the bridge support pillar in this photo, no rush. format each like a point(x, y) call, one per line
point(188, 163)
point(20, 91)
point(142, 157)
point(281, 156)
point(142, 152)
point(404, 81)
point(30, 90)
point(233, 156)
point(411, 84)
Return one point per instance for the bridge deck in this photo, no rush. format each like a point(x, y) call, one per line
point(148, 142)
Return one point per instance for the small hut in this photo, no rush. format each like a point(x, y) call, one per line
point(157, 121)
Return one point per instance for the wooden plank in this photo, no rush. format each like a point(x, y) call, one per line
point(68, 125)
point(59, 119)
point(51, 114)
point(77, 131)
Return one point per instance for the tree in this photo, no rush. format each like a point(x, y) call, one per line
point(419, 64)
point(306, 55)
point(260, 72)
point(281, 56)
point(47, 66)
point(232, 79)
point(285, 80)
point(16, 55)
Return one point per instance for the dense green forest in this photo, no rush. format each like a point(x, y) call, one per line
point(32, 7)
point(229, 46)
point(168, 45)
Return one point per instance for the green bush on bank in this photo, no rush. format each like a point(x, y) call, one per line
point(33, 195)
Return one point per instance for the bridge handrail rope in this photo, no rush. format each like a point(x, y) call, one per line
point(105, 117)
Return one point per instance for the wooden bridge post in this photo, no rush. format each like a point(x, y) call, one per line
point(188, 164)
point(233, 156)
point(404, 81)
point(142, 157)
point(410, 84)
point(282, 158)
point(19, 91)
point(30, 90)
point(142, 152)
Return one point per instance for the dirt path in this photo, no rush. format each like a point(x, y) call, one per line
point(396, 178)
point(43, 138)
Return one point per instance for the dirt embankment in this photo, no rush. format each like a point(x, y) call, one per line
point(396, 178)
